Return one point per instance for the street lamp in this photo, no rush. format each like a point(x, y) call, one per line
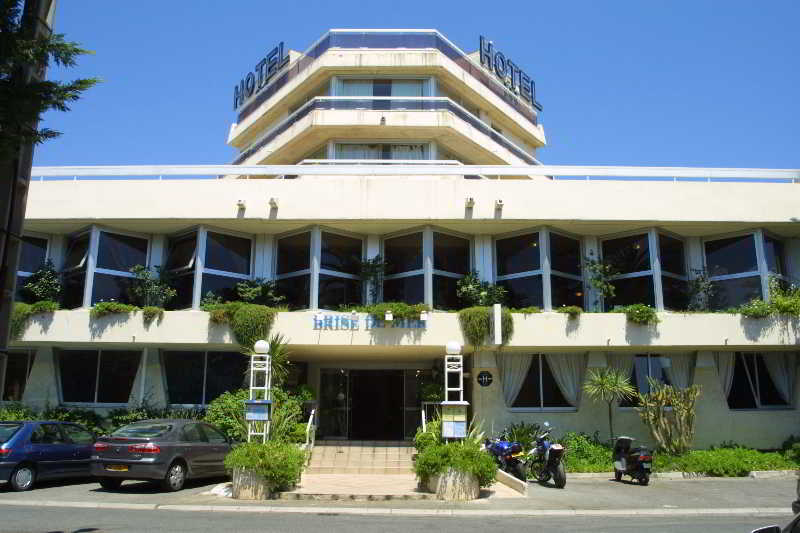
point(257, 409)
point(454, 412)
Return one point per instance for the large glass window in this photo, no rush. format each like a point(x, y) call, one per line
point(566, 282)
point(759, 380)
point(674, 283)
point(293, 269)
point(451, 261)
point(92, 376)
point(15, 367)
point(198, 378)
point(518, 261)
point(116, 255)
point(74, 270)
point(645, 367)
point(774, 255)
point(33, 255)
point(732, 265)
point(404, 281)
point(401, 151)
point(227, 263)
point(181, 255)
point(339, 279)
point(630, 257)
point(540, 389)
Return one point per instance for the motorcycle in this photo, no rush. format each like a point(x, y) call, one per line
point(546, 459)
point(508, 456)
point(635, 462)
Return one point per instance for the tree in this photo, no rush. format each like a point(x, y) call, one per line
point(23, 100)
point(608, 385)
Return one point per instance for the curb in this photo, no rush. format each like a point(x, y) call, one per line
point(294, 496)
point(773, 474)
point(752, 511)
point(511, 482)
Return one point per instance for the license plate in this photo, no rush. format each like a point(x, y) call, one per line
point(646, 465)
point(117, 468)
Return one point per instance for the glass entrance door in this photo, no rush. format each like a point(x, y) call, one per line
point(334, 403)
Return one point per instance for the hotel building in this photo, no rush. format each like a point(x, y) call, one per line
point(363, 136)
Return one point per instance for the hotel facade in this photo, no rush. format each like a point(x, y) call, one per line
point(353, 149)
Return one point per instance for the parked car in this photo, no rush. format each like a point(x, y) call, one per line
point(169, 451)
point(35, 451)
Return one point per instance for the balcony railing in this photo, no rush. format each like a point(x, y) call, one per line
point(384, 103)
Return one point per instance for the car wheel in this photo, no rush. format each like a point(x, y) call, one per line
point(22, 478)
point(110, 483)
point(175, 478)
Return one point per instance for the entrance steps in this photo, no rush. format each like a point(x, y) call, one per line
point(361, 457)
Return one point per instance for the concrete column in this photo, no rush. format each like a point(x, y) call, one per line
point(544, 261)
point(482, 257)
point(427, 264)
point(591, 250)
point(316, 261)
point(91, 263)
point(42, 388)
point(488, 405)
point(485, 118)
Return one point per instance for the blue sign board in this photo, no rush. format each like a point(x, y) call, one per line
point(338, 322)
point(257, 410)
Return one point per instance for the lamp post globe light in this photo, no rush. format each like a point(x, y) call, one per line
point(452, 348)
point(261, 347)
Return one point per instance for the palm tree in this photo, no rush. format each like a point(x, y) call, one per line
point(608, 385)
point(279, 357)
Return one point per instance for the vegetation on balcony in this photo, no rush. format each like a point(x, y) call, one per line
point(476, 325)
point(22, 312)
point(573, 311)
point(399, 310)
point(641, 314)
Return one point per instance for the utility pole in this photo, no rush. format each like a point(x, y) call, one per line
point(38, 17)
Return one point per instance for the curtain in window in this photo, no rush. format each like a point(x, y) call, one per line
point(356, 88)
point(568, 370)
point(621, 362)
point(725, 364)
point(781, 368)
point(681, 370)
point(408, 151)
point(513, 371)
point(407, 88)
point(358, 151)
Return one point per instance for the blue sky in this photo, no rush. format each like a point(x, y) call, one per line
point(686, 83)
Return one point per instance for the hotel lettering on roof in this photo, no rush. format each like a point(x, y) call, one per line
point(396, 143)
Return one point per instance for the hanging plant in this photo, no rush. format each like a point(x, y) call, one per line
point(476, 325)
point(248, 322)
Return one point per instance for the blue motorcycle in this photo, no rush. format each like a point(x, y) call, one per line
point(508, 456)
point(545, 460)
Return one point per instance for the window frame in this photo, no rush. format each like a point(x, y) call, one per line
point(161, 355)
point(31, 355)
point(335, 89)
point(649, 355)
point(333, 273)
point(761, 270)
point(23, 275)
point(138, 375)
point(755, 388)
point(429, 147)
point(540, 356)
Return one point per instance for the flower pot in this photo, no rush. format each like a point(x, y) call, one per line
point(454, 485)
point(247, 485)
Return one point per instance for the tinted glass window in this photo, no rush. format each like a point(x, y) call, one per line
point(403, 253)
point(410, 290)
point(632, 291)
point(214, 436)
point(17, 370)
point(296, 290)
point(676, 293)
point(340, 253)
point(221, 286)
point(773, 252)
point(107, 287)
point(444, 293)
point(192, 433)
point(628, 254)
point(47, 434)
point(536, 393)
point(120, 252)
point(7, 431)
point(565, 291)
point(335, 291)
point(184, 285)
point(735, 292)
point(76, 252)
point(181, 251)
point(731, 256)
point(226, 371)
point(73, 290)
point(565, 254)
point(518, 254)
point(33, 254)
point(228, 253)
point(523, 292)
point(78, 369)
point(77, 435)
point(293, 253)
point(117, 373)
point(143, 430)
point(671, 255)
point(450, 253)
point(184, 372)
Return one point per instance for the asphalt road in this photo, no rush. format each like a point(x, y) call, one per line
point(53, 519)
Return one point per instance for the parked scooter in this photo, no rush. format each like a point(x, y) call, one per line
point(635, 462)
point(546, 459)
point(508, 456)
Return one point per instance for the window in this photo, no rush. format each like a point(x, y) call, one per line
point(630, 256)
point(518, 260)
point(74, 270)
point(192, 433)
point(451, 261)
point(647, 366)
point(732, 265)
point(32, 256)
point(116, 255)
point(227, 262)
point(198, 378)
point(674, 283)
point(77, 435)
point(381, 89)
point(405, 277)
point(47, 434)
point(15, 367)
point(293, 269)
point(402, 151)
point(340, 271)
point(213, 436)
point(758, 380)
point(91, 376)
point(540, 390)
point(181, 255)
point(566, 281)
point(774, 255)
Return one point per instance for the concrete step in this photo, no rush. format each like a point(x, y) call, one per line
point(388, 470)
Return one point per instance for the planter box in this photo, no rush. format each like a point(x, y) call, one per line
point(454, 485)
point(247, 485)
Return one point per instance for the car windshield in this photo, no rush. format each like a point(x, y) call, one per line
point(143, 430)
point(7, 431)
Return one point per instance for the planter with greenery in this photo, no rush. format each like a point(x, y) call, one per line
point(641, 314)
point(43, 285)
point(399, 310)
point(149, 292)
point(101, 309)
point(22, 312)
point(248, 322)
point(572, 311)
point(455, 471)
point(472, 292)
point(476, 325)
point(261, 470)
point(608, 385)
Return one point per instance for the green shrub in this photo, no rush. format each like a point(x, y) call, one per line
point(148, 291)
point(472, 292)
point(44, 284)
point(259, 291)
point(793, 453)
point(400, 310)
point(123, 416)
point(210, 299)
point(532, 310)
point(248, 322)
point(86, 417)
point(572, 310)
point(16, 411)
point(638, 314)
point(227, 413)
point(585, 453)
point(21, 312)
point(287, 412)
point(755, 309)
point(432, 392)
point(466, 456)
point(476, 325)
point(725, 462)
point(432, 435)
point(102, 309)
point(280, 463)
point(151, 313)
point(523, 433)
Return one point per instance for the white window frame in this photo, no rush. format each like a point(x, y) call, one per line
point(785, 266)
point(314, 242)
point(99, 351)
point(755, 388)
point(655, 268)
point(336, 273)
point(205, 377)
point(761, 263)
point(30, 354)
point(542, 409)
point(23, 275)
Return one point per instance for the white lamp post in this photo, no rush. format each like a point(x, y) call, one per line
point(258, 408)
point(454, 412)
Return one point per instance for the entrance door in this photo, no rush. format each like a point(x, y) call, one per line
point(334, 403)
point(376, 404)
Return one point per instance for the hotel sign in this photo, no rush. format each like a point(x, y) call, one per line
point(346, 322)
point(509, 73)
point(265, 70)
